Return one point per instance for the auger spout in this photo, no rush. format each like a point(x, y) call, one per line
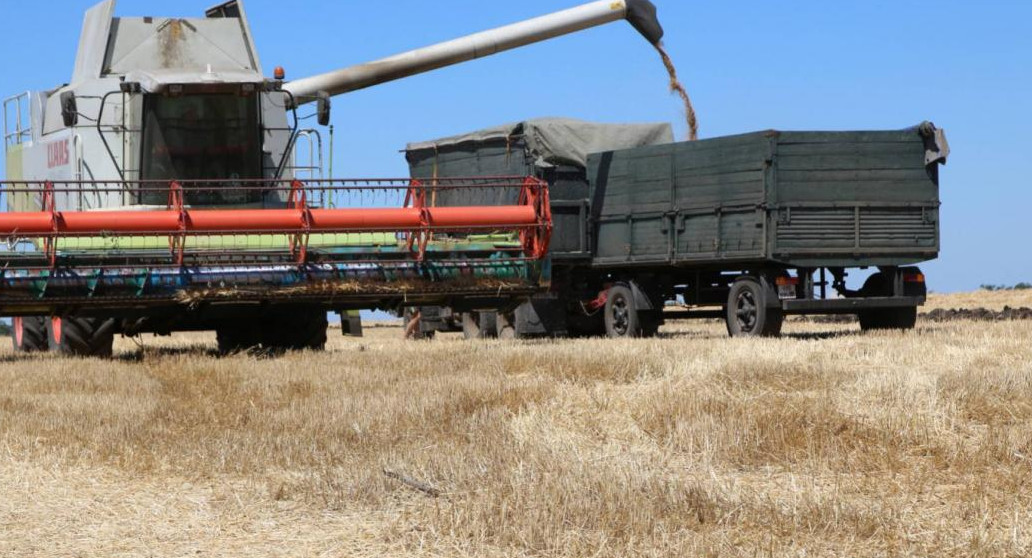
point(641, 14)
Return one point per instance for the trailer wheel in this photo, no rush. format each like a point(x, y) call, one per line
point(83, 337)
point(29, 334)
point(622, 317)
point(888, 318)
point(880, 284)
point(650, 321)
point(479, 325)
point(747, 313)
point(580, 324)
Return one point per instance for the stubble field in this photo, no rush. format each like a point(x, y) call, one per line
point(827, 442)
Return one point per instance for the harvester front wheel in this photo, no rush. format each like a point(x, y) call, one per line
point(79, 336)
point(29, 334)
point(237, 338)
point(296, 330)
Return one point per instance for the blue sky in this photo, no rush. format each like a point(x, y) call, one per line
point(749, 65)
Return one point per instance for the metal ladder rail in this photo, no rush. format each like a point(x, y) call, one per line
point(314, 169)
point(20, 130)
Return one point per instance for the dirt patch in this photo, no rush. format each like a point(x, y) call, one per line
point(978, 314)
point(826, 319)
point(938, 315)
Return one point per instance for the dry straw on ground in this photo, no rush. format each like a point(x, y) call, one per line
point(828, 442)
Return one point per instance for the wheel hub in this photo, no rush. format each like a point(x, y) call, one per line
point(621, 315)
point(746, 311)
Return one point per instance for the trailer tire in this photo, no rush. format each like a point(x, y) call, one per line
point(581, 324)
point(479, 325)
point(881, 284)
point(29, 334)
point(623, 319)
point(747, 313)
point(650, 321)
point(82, 337)
point(888, 318)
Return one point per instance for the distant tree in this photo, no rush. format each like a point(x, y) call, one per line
point(1018, 287)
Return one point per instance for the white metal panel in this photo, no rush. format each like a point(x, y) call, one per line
point(194, 44)
point(89, 62)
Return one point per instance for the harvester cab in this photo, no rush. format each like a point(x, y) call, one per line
point(160, 190)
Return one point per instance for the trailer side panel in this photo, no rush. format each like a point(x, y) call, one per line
point(798, 199)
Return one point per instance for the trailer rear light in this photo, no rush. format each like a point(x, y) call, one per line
point(787, 287)
point(913, 278)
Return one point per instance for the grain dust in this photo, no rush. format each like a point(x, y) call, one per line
point(677, 87)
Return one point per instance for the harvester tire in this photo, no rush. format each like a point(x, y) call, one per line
point(29, 334)
point(82, 337)
point(479, 325)
point(295, 330)
point(237, 338)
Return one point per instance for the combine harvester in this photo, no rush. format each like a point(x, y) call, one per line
point(161, 191)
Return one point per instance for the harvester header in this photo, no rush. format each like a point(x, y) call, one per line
point(342, 238)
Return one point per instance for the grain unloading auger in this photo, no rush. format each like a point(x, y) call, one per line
point(161, 191)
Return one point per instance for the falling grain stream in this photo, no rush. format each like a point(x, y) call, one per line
point(677, 87)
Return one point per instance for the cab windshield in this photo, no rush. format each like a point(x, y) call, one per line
point(202, 137)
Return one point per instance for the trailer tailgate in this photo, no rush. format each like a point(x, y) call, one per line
point(842, 197)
